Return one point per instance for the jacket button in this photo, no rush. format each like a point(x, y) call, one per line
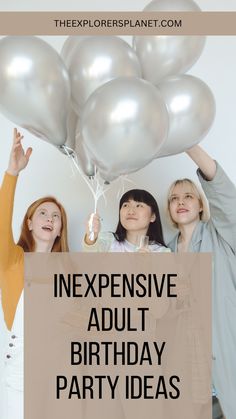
point(11, 344)
point(8, 356)
point(13, 336)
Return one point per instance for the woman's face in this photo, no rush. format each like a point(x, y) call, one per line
point(46, 223)
point(184, 205)
point(136, 216)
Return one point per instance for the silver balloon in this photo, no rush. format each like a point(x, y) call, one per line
point(94, 61)
point(74, 144)
point(71, 128)
point(163, 56)
point(107, 177)
point(172, 6)
point(191, 108)
point(83, 157)
point(72, 119)
point(68, 46)
point(124, 124)
point(34, 87)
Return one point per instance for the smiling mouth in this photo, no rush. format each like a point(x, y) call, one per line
point(183, 210)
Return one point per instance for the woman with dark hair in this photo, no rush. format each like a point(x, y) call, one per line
point(138, 217)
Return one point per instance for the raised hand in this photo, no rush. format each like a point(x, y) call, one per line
point(18, 157)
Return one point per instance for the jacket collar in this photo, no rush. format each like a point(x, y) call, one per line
point(195, 240)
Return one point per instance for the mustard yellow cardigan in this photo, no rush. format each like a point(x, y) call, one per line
point(11, 255)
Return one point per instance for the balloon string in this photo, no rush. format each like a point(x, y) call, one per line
point(100, 190)
point(95, 185)
point(68, 152)
point(74, 159)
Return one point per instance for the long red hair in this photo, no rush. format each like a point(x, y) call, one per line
point(26, 240)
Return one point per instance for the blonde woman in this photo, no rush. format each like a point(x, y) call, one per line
point(216, 233)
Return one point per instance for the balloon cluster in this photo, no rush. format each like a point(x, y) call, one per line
point(117, 107)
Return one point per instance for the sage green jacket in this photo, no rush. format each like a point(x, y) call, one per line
point(218, 236)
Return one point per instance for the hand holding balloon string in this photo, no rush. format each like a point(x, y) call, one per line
point(93, 228)
point(97, 188)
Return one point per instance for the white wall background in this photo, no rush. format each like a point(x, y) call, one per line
point(49, 172)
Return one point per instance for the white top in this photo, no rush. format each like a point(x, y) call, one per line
point(106, 242)
point(13, 355)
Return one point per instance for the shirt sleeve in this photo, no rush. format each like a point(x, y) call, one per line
point(9, 251)
point(102, 244)
point(221, 194)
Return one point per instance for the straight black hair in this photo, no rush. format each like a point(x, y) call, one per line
point(155, 228)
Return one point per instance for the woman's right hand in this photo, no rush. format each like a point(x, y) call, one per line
point(18, 157)
point(93, 226)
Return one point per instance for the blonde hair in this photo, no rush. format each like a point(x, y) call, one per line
point(204, 214)
point(26, 240)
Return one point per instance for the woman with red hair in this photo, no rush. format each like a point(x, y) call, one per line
point(44, 229)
